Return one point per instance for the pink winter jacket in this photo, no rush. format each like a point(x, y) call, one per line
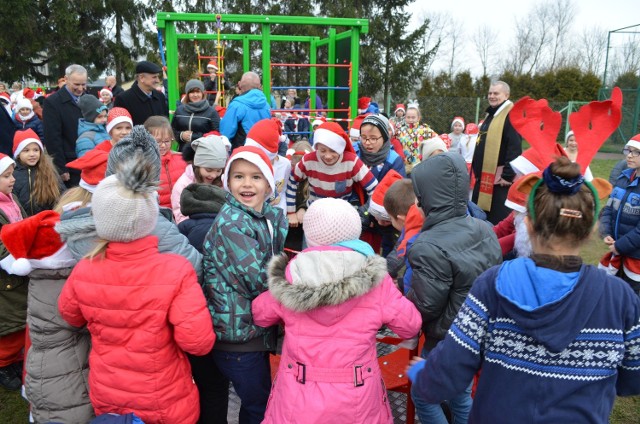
point(188, 177)
point(144, 309)
point(332, 301)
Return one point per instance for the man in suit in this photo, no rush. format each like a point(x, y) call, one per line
point(143, 99)
point(60, 119)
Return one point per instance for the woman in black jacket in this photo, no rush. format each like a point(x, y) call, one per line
point(195, 117)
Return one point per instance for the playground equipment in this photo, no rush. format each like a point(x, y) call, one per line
point(343, 54)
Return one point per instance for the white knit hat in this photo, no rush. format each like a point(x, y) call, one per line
point(329, 221)
point(125, 205)
point(427, 147)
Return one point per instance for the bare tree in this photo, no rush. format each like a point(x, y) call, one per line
point(484, 41)
point(591, 49)
point(626, 56)
point(455, 36)
point(562, 14)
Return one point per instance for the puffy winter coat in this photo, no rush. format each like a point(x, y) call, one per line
point(620, 218)
point(172, 169)
point(57, 379)
point(198, 117)
point(237, 250)
point(89, 136)
point(200, 203)
point(187, 177)
point(332, 301)
point(34, 123)
point(453, 248)
point(143, 309)
point(242, 113)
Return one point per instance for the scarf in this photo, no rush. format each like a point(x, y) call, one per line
point(25, 119)
point(196, 107)
point(373, 159)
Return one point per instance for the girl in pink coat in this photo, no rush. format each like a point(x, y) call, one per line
point(332, 298)
point(144, 309)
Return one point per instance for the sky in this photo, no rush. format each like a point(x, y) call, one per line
point(608, 14)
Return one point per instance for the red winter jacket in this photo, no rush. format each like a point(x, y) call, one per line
point(172, 168)
point(143, 309)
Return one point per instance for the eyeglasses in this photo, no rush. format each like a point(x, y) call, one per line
point(165, 142)
point(370, 139)
point(634, 153)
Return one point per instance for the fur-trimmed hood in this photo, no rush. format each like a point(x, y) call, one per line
point(324, 278)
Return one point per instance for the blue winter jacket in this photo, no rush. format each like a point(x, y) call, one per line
point(34, 123)
point(89, 136)
point(242, 113)
point(623, 223)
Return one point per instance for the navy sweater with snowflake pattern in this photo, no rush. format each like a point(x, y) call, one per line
point(553, 347)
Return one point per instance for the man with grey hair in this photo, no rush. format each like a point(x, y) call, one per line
point(143, 99)
point(244, 110)
point(497, 145)
point(60, 117)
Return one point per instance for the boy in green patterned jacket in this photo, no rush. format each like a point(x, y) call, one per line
point(246, 233)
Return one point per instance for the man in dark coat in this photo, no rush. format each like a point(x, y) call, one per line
point(143, 100)
point(7, 130)
point(111, 82)
point(60, 117)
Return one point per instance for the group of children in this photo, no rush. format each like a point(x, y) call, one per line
point(106, 265)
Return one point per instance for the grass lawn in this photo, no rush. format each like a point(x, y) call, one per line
point(13, 409)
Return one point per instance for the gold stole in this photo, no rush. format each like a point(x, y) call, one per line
point(493, 141)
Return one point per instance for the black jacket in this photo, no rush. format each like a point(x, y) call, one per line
point(198, 117)
point(141, 106)
point(25, 181)
point(7, 130)
point(60, 115)
point(452, 249)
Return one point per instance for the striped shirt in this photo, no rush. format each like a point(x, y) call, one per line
point(329, 181)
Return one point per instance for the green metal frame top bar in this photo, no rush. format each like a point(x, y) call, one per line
point(239, 37)
point(362, 24)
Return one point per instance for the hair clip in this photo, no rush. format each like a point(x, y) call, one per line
point(570, 213)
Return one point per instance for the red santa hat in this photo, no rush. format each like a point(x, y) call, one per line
point(5, 162)
point(458, 119)
point(116, 116)
point(318, 120)
point(212, 64)
point(401, 107)
point(4, 96)
point(363, 104)
point(265, 135)
point(472, 129)
point(28, 93)
point(39, 93)
point(447, 141)
point(332, 135)
point(376, 205)
point(34, 243)
point(355, 125)
point(255, 156)
point(93, 166)
point(22, 139)
point(516, 199)
point(634, 142)
point(106, 90)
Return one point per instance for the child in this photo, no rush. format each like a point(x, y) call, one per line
point(332, 298)
point(247, 232)
point(450, 252)
point(406, 217)
point(397, 120)
point(142, 308)
point(172, 165)
point(199, 203)
point(91, 127)
point(557, 339)
point(106, 97)
point(119, 125)
point(57, 361)
point(208, 166)
point(456, 136)
point(265, 135)
point(333, 170)
point(13, 296)
point(619, 220)
point(411, 133)
point(25, 118)
point(38, 184)
point(295, 235)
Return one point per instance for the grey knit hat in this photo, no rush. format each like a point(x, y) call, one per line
point(201, 198)
point(91, 107)
point(192, 85)
point(210, 152)
point(378, 121)
point(137, 141)
point(125, 205)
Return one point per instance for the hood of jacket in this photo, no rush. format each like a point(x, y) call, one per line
point(323, 281)
point(538, 298)
point(441, 184)
point(253, 99)
point(201, 198)
point(78, 230)
point(84, 126)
